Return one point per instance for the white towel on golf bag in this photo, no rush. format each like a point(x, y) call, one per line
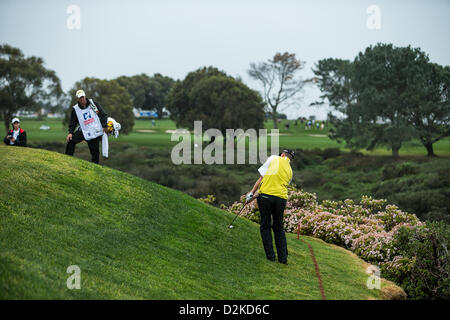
point(105, 141)
point(105, 145)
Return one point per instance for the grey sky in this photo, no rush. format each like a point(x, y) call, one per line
point(176, 37)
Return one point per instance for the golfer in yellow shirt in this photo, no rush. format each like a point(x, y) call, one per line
point(276, 174)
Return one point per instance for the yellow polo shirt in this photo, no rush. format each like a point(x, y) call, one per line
point(277, 174)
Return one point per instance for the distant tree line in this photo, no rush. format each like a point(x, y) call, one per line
point(387, 95)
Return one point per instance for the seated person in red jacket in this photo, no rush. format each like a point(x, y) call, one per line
point(16, 136)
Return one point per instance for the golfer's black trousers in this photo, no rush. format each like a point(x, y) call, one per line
point(93, 144)
point(271, 210)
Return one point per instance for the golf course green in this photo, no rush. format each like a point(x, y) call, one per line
point(134, 239)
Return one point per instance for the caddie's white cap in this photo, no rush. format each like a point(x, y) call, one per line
point(80, 93)
point(15, 120)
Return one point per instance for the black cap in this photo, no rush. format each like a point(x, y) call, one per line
point(288, 151)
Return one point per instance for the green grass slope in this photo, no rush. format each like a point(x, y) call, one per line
point(134, 239)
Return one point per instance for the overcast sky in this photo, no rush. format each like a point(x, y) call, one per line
point(175, 37)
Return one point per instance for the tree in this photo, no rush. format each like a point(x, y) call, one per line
point(114, 98)
point(146, 92)
point(277, 77)
point(218, 100)
point(179, 104)
point(385, 79)
point(431, 114)
point(24, 83)
point(138, 87)
point(377, 94)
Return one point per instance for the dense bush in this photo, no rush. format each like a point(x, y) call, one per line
point(395, 171)
point(311, 178)
point(424, 253)
point(304, 158)
point(331, 153)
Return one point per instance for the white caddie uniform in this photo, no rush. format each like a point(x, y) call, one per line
point(89, 122)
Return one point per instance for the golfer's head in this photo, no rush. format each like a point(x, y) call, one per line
point(288, 153)
point(81, 96)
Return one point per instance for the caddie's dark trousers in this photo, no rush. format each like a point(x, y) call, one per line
point(271, 210)
point(93, 144)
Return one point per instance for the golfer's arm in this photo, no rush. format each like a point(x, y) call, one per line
point(256, 186)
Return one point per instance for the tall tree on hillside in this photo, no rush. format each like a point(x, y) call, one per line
point(179, 104)
point(220, 101)
point(385, 80)
point(430, 115)
point(278, 78)
point(25, 83)
point(114, 98)
point(376, 93)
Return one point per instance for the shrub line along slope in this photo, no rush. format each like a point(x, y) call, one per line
point(134, 239)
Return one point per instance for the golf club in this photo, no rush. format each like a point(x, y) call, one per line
point(240, 211)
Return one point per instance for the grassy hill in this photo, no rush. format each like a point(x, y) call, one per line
point(134, 239)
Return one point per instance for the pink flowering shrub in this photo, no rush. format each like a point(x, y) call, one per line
point(367, 228)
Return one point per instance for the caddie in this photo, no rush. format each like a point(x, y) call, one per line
point(91, 120)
